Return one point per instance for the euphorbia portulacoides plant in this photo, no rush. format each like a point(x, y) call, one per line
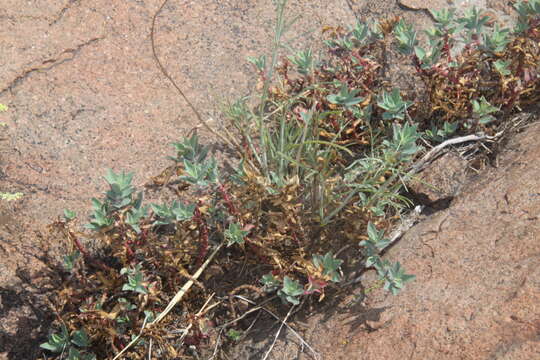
point(328, 145)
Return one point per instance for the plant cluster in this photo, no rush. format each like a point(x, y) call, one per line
point(474, 69)
point(326, 152)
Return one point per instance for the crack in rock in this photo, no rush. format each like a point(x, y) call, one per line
point(65, 56)
point(62, 12)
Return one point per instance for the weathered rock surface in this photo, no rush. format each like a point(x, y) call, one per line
point(84, 95)
point(477, 292)
point(440, 181)
point(425, 5)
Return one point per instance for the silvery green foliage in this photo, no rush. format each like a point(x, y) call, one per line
point(119, 196)
point(361, 34)
point(200, 174)
point(329, 264)
point(190, 150)
point(71, 344)
point(198, 170)
point(99, 218)
point(270, 283)
point(120, 193)
point(501, 67)
point(474, 22)
point(135, 279)
point(482, 110)
point(403, 145)
point(136, 213)
point(235, 235)
point(290, 291)
point(394, 275)
point(455, 32)
point(345, 97)
point(167, 215)
point(528, 11)
point(429, 57)
point(258, 62)
point(364, 175)
point(69, 260)
point(406, 37)
point(303, 61)
point(394, 105)
point(496, 41)
point(69, 215)
point(375, 243)
point(440, 134)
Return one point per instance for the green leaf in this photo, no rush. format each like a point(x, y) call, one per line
point(235, 235)
point(373, 234)
point(502, 67)
point(394, 276)
point(443, 17)
point(182, 212)
point(290, 291)
point(69, 260)
point(406, 37)
point(149, 315)
point(482, 110)
point(394, 105)
point(57, 342)
point(69, 215)
point(270, 282)
point(420, 53)
point(234, 335)
point(89, 356)
point(52, 347)
point(329, 264)
point(361, 33)
point(345, 97)
point(135, 280)
point(292, 287)
point(80, 339)
point(474, 21)
point(496, 41)
point(304, 61)
point(259, 62)
point(74, 354)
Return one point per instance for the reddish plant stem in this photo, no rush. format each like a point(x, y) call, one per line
point(78, 244)
point(446, 48)
point(228, 200)
point(295, 237)
point(143, 237)
point(203, 235)
point(129, 251)
point(85, 253)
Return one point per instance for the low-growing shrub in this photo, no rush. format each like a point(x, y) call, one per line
point(328, 145)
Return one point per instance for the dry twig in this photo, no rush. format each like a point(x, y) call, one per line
point(283, 322)
point(175, 300)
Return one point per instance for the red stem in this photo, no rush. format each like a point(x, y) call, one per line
point(78, 244)
point(85, 253)
point(227, 198)
point(203, 235)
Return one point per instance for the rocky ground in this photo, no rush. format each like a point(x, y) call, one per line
point(84, 94)
point(477, 291)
